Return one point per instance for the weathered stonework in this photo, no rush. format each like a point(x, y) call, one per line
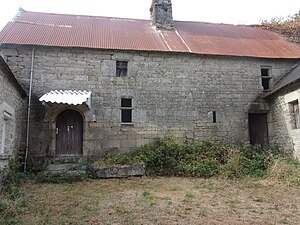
point(119, 171)
point(11, 115)
point(161, 14)
point(172, 94)
point(284, 133)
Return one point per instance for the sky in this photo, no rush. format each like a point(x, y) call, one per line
point(215, 11)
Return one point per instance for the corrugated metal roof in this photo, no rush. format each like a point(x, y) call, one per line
point(32, 28)
point(70, 97)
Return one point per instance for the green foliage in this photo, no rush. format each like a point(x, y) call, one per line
point(287, 26)
point(166, 157)
point(11, 196)
point(285, 170)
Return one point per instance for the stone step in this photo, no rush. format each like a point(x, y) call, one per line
point(65, 167)
point(119, 171)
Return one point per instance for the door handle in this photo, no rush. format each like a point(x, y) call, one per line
point(56, 130)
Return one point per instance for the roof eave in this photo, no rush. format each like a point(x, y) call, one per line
point(158, 50)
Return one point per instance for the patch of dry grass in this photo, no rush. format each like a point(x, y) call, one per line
point(161, 201)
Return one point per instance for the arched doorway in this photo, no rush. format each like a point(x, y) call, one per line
point(69, 133)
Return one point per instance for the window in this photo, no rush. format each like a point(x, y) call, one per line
point(214, 116)
point(294, 109)
point(126, 110)
point(265, 79)
point(6, 117)
point(121, 68)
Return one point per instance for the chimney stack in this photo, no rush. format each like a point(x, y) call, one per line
point(161, 14)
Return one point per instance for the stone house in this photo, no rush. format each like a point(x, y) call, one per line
point(284, 100)
point(104, 84)
point(12, 109)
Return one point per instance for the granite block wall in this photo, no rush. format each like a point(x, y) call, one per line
point(172, 94)
point(286, 135)
point(12, 112)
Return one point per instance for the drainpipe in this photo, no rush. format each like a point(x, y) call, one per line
point(28, 111)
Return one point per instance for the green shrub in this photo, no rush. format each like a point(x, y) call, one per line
point(232, 163)
point(285, 170)
point(166, 157)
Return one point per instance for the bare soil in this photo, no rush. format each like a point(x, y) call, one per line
point(161, 201)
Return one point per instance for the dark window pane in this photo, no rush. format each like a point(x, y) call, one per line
point(121, 69)
point(126, 102)
point(265, 72)
point(265, 83)
point(126, 115)
point(214, 116)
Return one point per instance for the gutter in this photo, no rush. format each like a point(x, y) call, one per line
point(28, 110)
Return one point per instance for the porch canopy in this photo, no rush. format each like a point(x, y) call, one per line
point(69, 97)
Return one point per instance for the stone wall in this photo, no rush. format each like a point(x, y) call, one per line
point(172, 94)
point(11, 124)
point(285, 134)
point(161, 14)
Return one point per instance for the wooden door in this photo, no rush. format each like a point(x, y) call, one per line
point(69, 133)
point(258, 129)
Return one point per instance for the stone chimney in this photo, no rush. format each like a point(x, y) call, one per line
point(161, 14)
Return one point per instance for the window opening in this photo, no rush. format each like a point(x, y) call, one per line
point(126, 102)
point(294, 108)
point(6, 117)
point(3, 137)
point(265, 79)
point(214, 114)
point(126, 110)
point(121, 68)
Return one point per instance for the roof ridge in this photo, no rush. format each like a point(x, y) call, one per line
point(82, 15)
point(128, 18)
point(21, 10)
point(44, 24)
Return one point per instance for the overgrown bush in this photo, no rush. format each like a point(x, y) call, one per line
point(166, 157)
point(286, 170)
point(11, 198)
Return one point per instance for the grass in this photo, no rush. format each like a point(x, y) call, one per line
point(159, 200)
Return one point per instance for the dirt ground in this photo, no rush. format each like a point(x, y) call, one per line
point(161, 201)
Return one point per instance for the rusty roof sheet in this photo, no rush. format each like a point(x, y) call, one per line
point(46, 29)
point(69, 97)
